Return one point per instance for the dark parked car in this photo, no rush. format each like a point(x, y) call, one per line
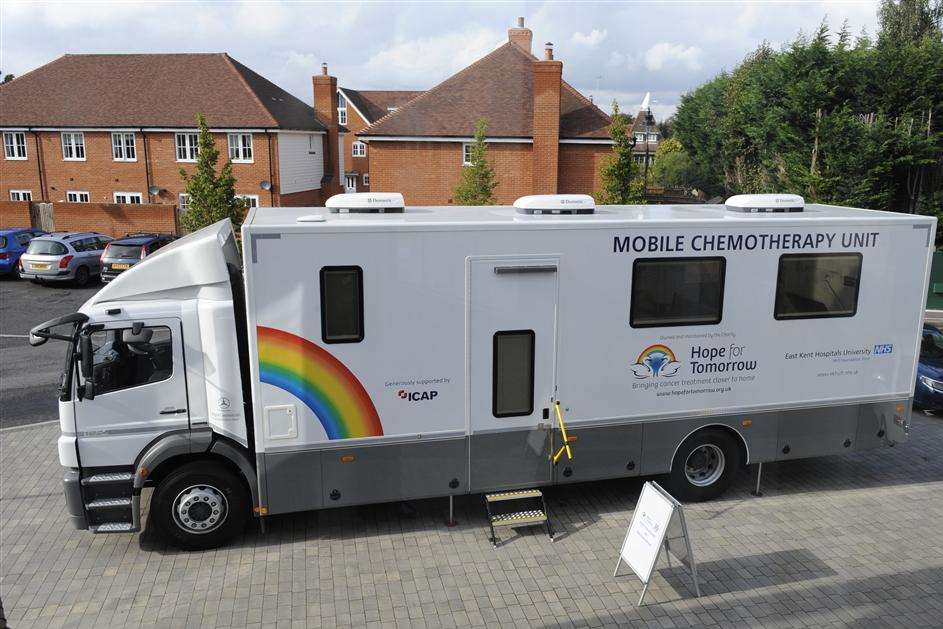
point(13, 243)
point(928, 395)
point(123, 253)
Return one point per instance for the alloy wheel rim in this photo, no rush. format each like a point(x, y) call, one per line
point(704, 465)
point(200, 509)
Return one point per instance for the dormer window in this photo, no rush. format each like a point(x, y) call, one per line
point(639, 138)
point(652, 137)
point(341, 109)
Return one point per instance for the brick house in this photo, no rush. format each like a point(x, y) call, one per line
point(118, 128)
point(543, 136)
point(357, 109)
point(645, 133)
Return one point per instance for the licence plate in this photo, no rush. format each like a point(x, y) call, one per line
point(121, 266)
point(38, 267)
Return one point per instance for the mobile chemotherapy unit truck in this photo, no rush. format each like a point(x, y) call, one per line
point(366, 352)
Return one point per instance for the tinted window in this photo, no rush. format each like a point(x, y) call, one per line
point(677, 291)
point(125, 252)
point(3, 241)
point(23, 239)
point(342, 304)
point(513, 373)
point(931, 346)
point(47, 247)
point(120, 366)
point(813, 285)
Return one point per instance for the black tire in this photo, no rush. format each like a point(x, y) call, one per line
point(714, 459)
point(205, 476)
point(81, 276)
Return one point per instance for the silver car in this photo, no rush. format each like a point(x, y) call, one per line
point(64, 256)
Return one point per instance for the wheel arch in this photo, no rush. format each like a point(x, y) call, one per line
point(740, 441)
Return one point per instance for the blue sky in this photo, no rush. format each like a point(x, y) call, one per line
point(612, 50)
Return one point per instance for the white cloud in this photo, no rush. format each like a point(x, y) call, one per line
point(591, 40)
point(665, 54)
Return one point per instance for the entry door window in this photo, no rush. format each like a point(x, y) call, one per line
point(513, 373)
point(350, 182)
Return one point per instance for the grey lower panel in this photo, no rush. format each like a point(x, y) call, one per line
point(293, 481)
point(511, 459)
point(817, 431)
point(601, 452)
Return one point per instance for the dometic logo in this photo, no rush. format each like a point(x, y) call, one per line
point(417, 396)
point(656, 361)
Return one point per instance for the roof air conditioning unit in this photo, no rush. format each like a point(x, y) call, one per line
point(764, 203)
point(556, 204)
point(366, 203)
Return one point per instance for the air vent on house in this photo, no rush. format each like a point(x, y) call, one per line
point(556, 204)
point(366, 203)
point(765, 203)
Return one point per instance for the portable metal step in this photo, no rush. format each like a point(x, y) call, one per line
point(536, 514)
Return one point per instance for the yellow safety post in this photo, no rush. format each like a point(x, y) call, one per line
point(566, 438)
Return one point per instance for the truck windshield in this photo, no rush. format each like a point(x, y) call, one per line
point(125, 252)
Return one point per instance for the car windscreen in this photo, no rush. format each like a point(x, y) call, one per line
point(124, 252)
point(47, 247)
point(932, 344)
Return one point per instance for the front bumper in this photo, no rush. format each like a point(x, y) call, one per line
point(71, 485)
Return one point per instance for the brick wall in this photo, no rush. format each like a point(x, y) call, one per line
point(427, 172)
point(324, 90)
point(360, 165)
point(547, 78)
point(580, 168)
point(307, 198)
point(101, 176)
point(115, 220)
point(14, 214)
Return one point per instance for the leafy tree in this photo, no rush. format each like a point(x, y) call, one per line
point(477, 184)
point(212, 195)
point(619, 176)
point(910, 20)
point(673, 167)
point(8, 77)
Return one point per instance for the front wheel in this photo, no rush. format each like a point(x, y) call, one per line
point(704, 466)
point(202, 505)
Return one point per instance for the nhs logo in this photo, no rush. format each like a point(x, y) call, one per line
point(887, 348)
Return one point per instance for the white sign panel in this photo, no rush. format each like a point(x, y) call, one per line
point(647, 532)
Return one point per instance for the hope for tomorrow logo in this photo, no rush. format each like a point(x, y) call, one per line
point(656, 361)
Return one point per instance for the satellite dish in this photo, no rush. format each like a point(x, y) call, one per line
point(154, 190)
point(265, 185)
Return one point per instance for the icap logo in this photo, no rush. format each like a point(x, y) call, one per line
point(417, 396)
point(656, 361)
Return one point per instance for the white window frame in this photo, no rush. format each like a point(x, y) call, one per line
point(639, 140)
point(366, 179)
point(653, 137)
point(10, 143)
point(466, 153)
point(341, 109)
point(188, 147)
point(239, 153)
point(76, 196)
point(74, 146)
point(358, 149)
point(128, 196)
point(120, 149)
point(252, 200)
point(21, 195)
point(347, 180)
point(183, 201)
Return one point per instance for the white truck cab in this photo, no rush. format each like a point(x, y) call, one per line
point(368, 352)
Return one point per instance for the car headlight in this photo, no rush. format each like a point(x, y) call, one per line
point(930, 383)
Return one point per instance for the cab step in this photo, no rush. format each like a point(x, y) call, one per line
point(109, 503)
point(113, 527)
point(106, 478)
point(536, 513)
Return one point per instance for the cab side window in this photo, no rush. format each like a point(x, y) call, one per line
point(122, 365)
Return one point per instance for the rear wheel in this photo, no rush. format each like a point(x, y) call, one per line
point(705, 465)
point(199, 506)
point(81, 276)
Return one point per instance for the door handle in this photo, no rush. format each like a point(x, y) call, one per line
point(533, 268)
point(173, 411)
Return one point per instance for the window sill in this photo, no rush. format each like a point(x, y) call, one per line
point(186, 161)
point(125, 160)
point(73, 159)
point(17, 159)
point(242, 161)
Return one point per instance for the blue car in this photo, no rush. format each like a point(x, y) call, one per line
point(928, 396)
point(13, 243)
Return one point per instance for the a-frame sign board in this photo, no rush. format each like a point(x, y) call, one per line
point(658, 523)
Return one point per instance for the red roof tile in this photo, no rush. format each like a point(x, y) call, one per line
point(374, 104)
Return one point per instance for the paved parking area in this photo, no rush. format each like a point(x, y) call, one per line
point(835, 542)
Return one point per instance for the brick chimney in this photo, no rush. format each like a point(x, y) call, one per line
point(325, 107)
point(521, 36)
point(548, 74)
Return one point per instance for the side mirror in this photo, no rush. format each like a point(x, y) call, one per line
point(36, 341)
point(86, 356)
point(88, 390)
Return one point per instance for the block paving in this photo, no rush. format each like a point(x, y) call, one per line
point(850, 541)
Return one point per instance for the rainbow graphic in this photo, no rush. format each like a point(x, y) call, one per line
point(654, 361)
point(655, 349)
point(323, 383)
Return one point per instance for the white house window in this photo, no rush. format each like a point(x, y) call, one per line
point(366, 179)
point(76, 196)
point(359, 149)
point(73, 146)
point(652, 137)
point(128, 197)
point(21, 195)
point(122, 147)
point(183, 202)
point(341, 109)
point(240, 147)
point(350, 183)
point(252, 200)
point(14, 145)
point(187, 146)
point(639, 137)
point(466, 154)
point(312, 144)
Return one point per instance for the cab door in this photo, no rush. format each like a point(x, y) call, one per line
point(512, 346)
point(140, 393)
